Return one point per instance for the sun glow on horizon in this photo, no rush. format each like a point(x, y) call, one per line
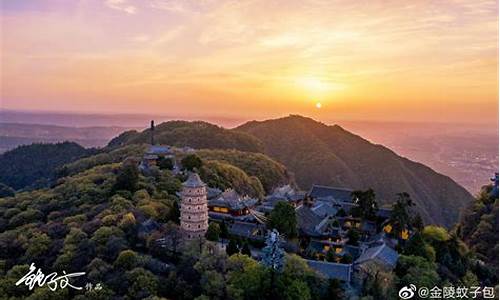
point(374, 60)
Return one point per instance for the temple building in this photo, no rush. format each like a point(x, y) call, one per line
point(194, 209)
point(231, 203)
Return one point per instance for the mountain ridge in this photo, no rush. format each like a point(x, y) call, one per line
point(316, 153)
point(349, 160)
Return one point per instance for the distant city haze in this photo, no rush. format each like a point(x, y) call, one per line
point(468, 153)
point(426, 61)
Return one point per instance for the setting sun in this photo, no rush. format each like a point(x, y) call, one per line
point(179, 57)
point(318, 105)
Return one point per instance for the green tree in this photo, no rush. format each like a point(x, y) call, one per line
point(213, 284)
point(284, 219)
point(213, 232)
point(335, 290)
point(8, 287)
point(366, 204)
point(417, 222)
point(416, 270)
point(224, 231)
point(434, 233)
point(39, 244)
point(295, 279)
point(353, 235)
point(175, 213)
point(246, 250)
point(191, 162)
point(247, 279)
point(165, 163)
point(297, 290)
point(142, 283)
point(330, 255)
point(418, 247)
point(232, 247)
point(126, 260)
point(400, 218)
point(6, 191)
point(128, 177)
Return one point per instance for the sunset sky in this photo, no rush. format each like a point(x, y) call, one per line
point(364, 60)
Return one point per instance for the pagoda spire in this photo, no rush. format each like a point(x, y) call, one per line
point(152, 132)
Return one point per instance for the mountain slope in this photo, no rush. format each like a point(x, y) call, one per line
point(35, 165)
point(330, 155)
point(270, 173)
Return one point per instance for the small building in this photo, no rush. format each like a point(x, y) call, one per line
point(231, 203)
point(337, 194)
point(312, 225)
point(382, 255)
point(157, 152)
point(282, 194)
point(247, 230)
point(342, 272)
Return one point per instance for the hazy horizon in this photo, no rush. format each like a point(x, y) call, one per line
point(387, 60)
point(121, 119)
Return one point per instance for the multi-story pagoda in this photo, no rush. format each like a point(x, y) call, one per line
point(194, 209)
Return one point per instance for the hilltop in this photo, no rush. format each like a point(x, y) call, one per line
point(198, 135)
point(323, 154)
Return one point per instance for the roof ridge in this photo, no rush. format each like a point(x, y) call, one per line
point(331, 187)
point(329, 263)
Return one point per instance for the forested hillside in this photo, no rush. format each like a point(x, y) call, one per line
point(319, 154)
point(198, 135)
point(93, 218)
point(270, 173)
point(478, 226)
point(35, 165)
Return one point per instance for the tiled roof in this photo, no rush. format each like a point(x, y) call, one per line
point(159, 149)
point(193, 181)
point(384, 213)
point(243, 229)
point(316, 245)
point(354, 251)
point(283, 191)
point(273, 200)
point(331, 270)
point(369, 226)
point(213, 192)
point(381, 253)
point(232, 200)
point(308, 220)
point(324, 209)
point(338, 194)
